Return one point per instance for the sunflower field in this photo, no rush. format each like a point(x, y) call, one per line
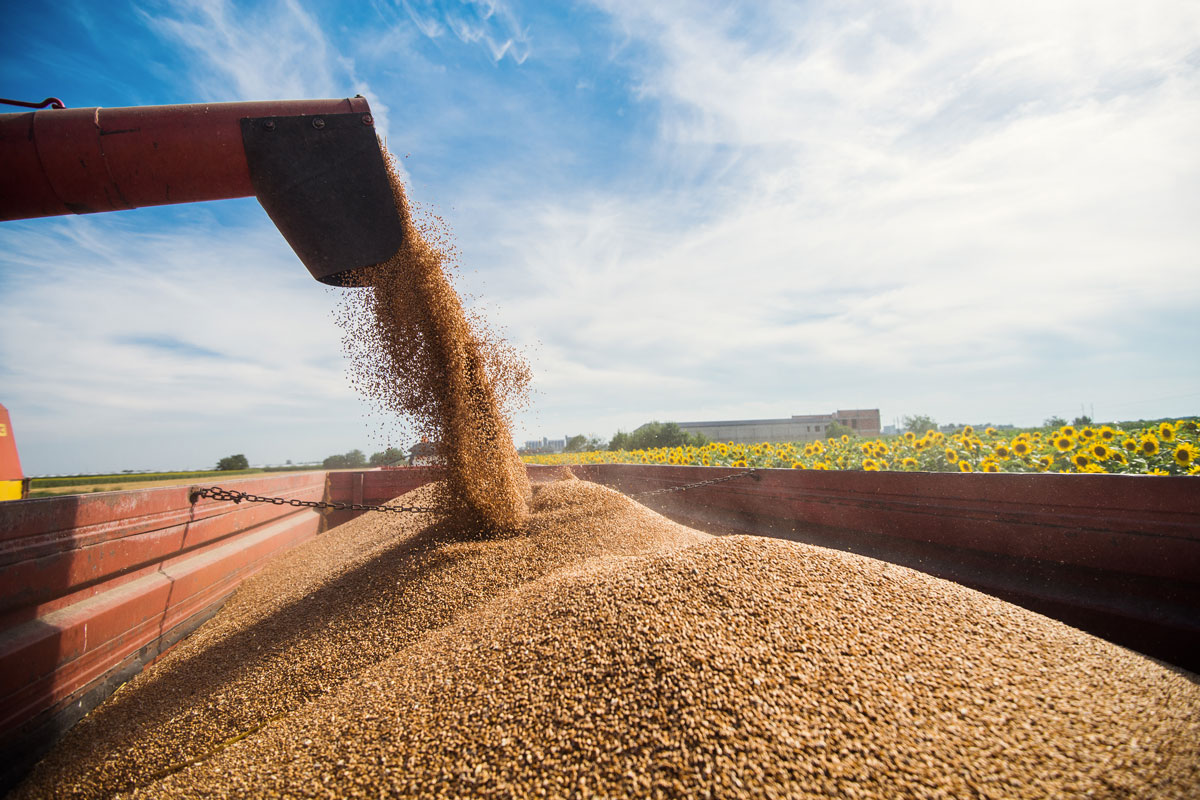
point(1165, 448)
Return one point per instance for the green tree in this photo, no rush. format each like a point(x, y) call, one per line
point(919, 423)
point(387, 458)
point(1081, 421)
point(1053, 422)
point(656, 434)
point(233, 462)
point(581, 444)
point(351, 460)
point(837, 429)
point(620, 441)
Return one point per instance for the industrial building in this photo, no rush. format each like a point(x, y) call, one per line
point(797, 428)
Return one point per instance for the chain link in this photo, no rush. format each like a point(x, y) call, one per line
point(217, 493)
point(698, 484)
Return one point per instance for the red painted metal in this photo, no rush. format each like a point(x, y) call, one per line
point(57, 551)
point(98, 584)
point(88, 160)
point(10, 462)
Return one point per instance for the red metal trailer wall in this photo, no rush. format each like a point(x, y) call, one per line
point(96, 586)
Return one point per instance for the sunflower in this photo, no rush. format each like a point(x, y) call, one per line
point(820, 465)
point(1185, 454)
point(989, 465)
point(1130, 444)
point(968, 430)
point(797, 465)
point(990, 431)
point(1068, 430)
point(818, 447)
point(845, 438)
point(909, 463)
point(1063, 443)
point(965, 466)
point(741, 462)
point(1044, 463)
point(1081, 459)
point(1119, 457)
point(1157, 472)
point(1022, 447)
point(1002, 451)
point(909, 435)
point(1149, 445)
point(921, 444)
point(1093, 467)
point(867, 448)
point(1107, 433)
point(1166, 432)
point(1087, 433)
point(951, 456)
point(870, 465)
point(1101, 451)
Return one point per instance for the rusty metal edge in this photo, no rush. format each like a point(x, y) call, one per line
point(21, 749)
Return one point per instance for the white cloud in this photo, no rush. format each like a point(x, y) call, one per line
point(488, 23)
point(273, 52)
point(225, 337)
point(914, 191)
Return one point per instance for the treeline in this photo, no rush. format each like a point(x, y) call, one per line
point(356, 458)
point(652, 434)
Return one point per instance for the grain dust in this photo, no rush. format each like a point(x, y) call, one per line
point(414, 352)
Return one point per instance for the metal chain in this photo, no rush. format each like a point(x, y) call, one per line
point(217, 493)
point(695, 485)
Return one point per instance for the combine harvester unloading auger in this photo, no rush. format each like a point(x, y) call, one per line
point(318, 170)
point(314, 165)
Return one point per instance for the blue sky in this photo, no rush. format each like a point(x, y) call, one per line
point(680, 211)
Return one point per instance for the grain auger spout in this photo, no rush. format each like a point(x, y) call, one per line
point(314, 165)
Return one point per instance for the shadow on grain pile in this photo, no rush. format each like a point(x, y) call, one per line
point(607, 651)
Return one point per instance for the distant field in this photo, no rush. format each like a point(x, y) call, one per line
point(85, 484)
point(1162, 448)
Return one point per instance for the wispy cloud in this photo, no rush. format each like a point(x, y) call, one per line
point(273, 51)
point(488, 23)
point(182, 330)
point(919, 193)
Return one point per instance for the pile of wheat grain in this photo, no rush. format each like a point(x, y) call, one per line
point(605, 651)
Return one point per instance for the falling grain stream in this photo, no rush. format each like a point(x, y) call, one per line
point(562, 640)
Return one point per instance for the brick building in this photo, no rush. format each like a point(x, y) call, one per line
point(798, 428)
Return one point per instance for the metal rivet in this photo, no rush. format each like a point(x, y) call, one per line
point(318, 123)
point(269, 125)
point(368, 119)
